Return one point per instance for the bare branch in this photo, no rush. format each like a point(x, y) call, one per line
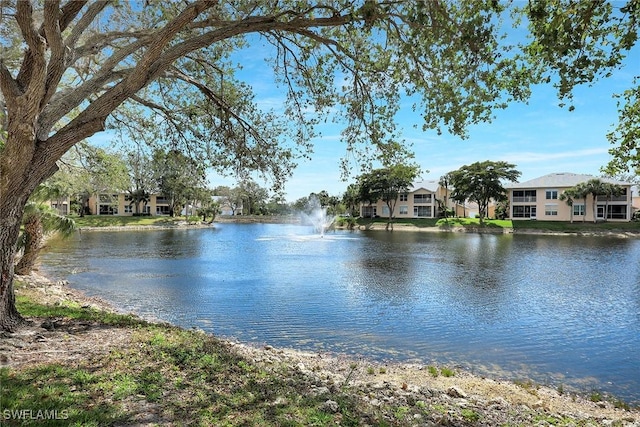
point(53, 36)
point(87, 18)
point(24, 18)
point(69, 11)
point(92, 119)
point(8, 85)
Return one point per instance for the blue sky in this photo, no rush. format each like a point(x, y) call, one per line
point(538, 137)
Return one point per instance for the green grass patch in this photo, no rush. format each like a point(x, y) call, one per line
point(438, 223)
point(433, 371)
point(446, 372)
point(472, 223)
point(124, 221)
point(29, 308)
point(576, 226)
point(180, 376)
point(416, 222)
point(470, 415)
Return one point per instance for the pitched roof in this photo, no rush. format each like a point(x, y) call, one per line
point(561, 180)
point(427, 185)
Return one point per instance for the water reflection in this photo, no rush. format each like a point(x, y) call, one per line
point(554, 308)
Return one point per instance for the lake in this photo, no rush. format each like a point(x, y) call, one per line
point(560, 310)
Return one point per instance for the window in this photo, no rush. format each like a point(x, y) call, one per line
point(108, 210)
point(369, 212)
point(128, 209)
point(551, 210)
point(404, 210)
point(422, 198)
point(62, 209)
point(404, 197)
point(422, 211)
point(578, 209)
point(385, 210)
point(524, 196)
point(162, 210)
point(524, 211)
point(551, 195)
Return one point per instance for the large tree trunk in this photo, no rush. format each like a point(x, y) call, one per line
point(11, 208)
point(34, 238)
point(22, 169)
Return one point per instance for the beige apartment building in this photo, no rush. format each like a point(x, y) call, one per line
point(418, 202)
point(120, 204)
point(539, 198)
point(421, 201)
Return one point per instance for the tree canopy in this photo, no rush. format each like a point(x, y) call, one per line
point(163, 73)
point(386, 184)
point(481, 182)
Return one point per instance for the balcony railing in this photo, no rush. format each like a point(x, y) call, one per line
point(525, 199)
point(613, 199)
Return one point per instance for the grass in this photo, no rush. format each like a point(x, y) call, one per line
point(29, 308)
point(550, 226)
point(124, 221)
point(182, 376)
point(166, 374)
point(577, 226)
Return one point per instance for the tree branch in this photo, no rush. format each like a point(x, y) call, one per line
point(53, 36)
point(87, 18)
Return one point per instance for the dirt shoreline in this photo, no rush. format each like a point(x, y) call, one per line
point(498, 402)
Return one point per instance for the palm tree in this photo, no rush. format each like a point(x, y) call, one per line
point(569, 195)
point(38, 221)
point(445, 182)
point(138, 196)
point(610, 191)
point(595, 187)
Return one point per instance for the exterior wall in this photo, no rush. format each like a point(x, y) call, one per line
point(62, 206)
point(420, 203)
point(423, 206)
point(544, 204)
point(225, 209)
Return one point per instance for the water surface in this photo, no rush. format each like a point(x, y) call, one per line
point(556, 309)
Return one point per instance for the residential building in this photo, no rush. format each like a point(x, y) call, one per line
point(418, 202)
point(225, 208)
point(119, 204)
point(539, 198)
point(62, 206)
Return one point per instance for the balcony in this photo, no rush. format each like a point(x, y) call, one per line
point(422, 199)
point(622, 198)
point(524, 199)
